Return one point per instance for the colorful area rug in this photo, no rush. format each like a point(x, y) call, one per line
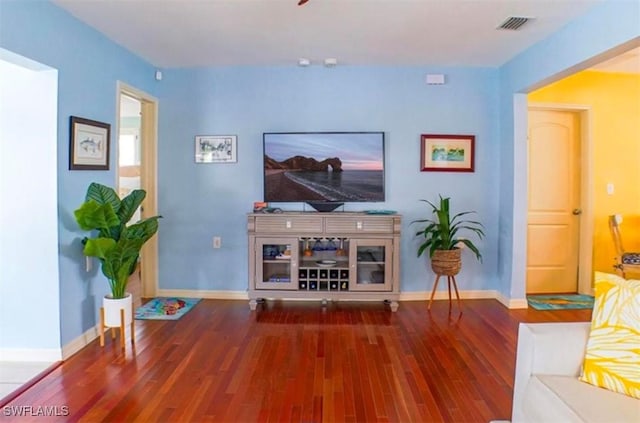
point(165, 308)
point(560, 301)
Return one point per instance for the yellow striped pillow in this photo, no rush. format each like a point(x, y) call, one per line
point(612, 360)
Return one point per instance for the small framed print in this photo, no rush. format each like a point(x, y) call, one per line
point(447, 153)
point(88, 144)
point(216, 149)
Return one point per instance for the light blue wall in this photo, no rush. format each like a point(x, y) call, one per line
point(199, 201)
point(88, 67)
point(607, 26)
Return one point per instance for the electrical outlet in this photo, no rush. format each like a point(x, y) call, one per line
point(217, 242)
point(610, 188)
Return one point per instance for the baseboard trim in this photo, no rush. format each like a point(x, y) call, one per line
point(34, 354)
point(512, 303)
point(518, 303)
point(80, 342)
point(216, 295)
point(404, 296)
point(444, 295)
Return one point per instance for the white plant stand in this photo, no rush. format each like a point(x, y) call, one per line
point(117, 314)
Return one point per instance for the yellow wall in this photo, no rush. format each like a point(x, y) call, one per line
point(614, 100)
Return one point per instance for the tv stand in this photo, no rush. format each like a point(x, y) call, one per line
point(324, 206)
point(324, 256)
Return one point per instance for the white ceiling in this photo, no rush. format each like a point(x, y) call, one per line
point(186, 33)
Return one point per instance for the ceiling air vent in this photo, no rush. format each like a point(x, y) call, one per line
point(514, 23)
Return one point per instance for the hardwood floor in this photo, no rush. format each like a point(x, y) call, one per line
point(299, 362)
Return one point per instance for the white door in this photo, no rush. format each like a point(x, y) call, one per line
point(554, 201)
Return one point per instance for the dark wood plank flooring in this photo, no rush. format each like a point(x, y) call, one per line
point(298, 362)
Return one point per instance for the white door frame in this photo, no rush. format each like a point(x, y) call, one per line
point(149, 177)
point(585, 260)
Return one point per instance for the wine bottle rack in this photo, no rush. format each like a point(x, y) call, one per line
point(319, 279)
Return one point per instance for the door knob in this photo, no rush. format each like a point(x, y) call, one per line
point(577, 211)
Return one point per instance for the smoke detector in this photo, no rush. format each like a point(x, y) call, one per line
point(330, 62)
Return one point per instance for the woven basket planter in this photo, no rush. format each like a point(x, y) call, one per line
point(446, 262)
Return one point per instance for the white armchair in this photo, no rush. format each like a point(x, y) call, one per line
point(546, 387)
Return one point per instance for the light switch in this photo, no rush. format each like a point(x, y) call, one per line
point(610, 188)
point(358, 225)
point(288, 224)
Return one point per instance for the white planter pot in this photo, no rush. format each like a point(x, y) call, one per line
point(112, 309)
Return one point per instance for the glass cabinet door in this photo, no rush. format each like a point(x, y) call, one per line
point(277, 263)
point(370, 261)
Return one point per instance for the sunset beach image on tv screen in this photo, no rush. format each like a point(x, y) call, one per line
point(335, 167)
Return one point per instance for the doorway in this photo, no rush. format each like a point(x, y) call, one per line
point(137, 163)
point(129, 148)
point(31, 335)
point(559, 213)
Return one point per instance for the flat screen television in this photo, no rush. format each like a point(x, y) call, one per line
point(324, 169)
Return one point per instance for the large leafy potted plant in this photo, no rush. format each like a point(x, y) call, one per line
point(116, 244)
point(442, 237)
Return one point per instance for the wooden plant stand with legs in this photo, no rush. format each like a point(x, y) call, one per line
point(450, 279)
point(446, 263)
point(103, 326)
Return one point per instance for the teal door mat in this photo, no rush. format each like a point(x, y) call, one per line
point(166, 308)
point(560, 301)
